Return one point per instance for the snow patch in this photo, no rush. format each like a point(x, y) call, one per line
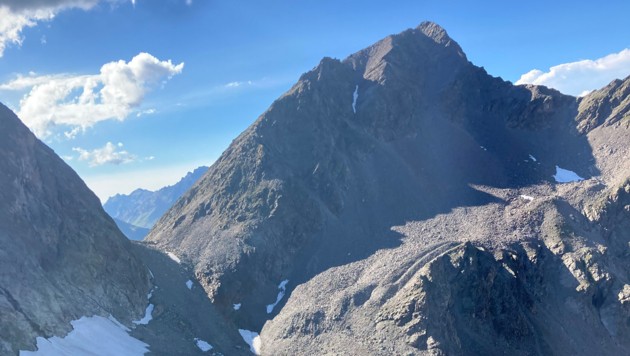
point(509, 270)
point(283, 288)
point(566, 176)
point(189, 284)
point(203, 345)
point(148, 316)
point(173, 257)
point(532, 158)
point(236, 306)
point(252, 339)
point(355, 96)
point(94, 335)
point(527, 197)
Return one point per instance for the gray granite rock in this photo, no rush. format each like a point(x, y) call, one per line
point(61, 256)
point(409, 199)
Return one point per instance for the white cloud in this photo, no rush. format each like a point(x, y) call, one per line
point(11, 24)
point(146, 112)
point(581, 77)
point(22, 82)
point(235, 84)
point(108, 154)
point(77, 102)
point(15, 15)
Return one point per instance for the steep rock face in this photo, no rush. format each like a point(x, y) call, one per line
point(61, 256)
point(142, 208)
point(314, 184)
point(370, 169)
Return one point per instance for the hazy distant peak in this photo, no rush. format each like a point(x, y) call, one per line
point(143, 207)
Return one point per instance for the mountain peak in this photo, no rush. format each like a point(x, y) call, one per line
point(434, 31)
point(426, 46)
point(439, 35)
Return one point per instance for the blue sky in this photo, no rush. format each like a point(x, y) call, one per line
point(230, 59)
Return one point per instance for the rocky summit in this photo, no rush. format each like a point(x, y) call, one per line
point(403, 201)
point(61, 255)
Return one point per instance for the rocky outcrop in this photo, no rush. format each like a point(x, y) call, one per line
point(61, 256)
point(607, 106)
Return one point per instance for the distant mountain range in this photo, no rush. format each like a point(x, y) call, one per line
point(137, 212)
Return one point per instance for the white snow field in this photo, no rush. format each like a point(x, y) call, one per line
point(94, 336)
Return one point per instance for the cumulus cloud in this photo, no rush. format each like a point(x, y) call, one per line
point(15, 15)
point(108, 154)
point(77, 102)
point(581, 77)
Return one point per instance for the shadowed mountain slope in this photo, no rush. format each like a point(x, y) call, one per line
point(61, 256)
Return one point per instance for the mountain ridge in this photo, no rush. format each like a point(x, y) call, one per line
point(345, 170)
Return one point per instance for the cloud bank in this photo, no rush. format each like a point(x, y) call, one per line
point(581, 77)
point(77, 102)
point(108, 154)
